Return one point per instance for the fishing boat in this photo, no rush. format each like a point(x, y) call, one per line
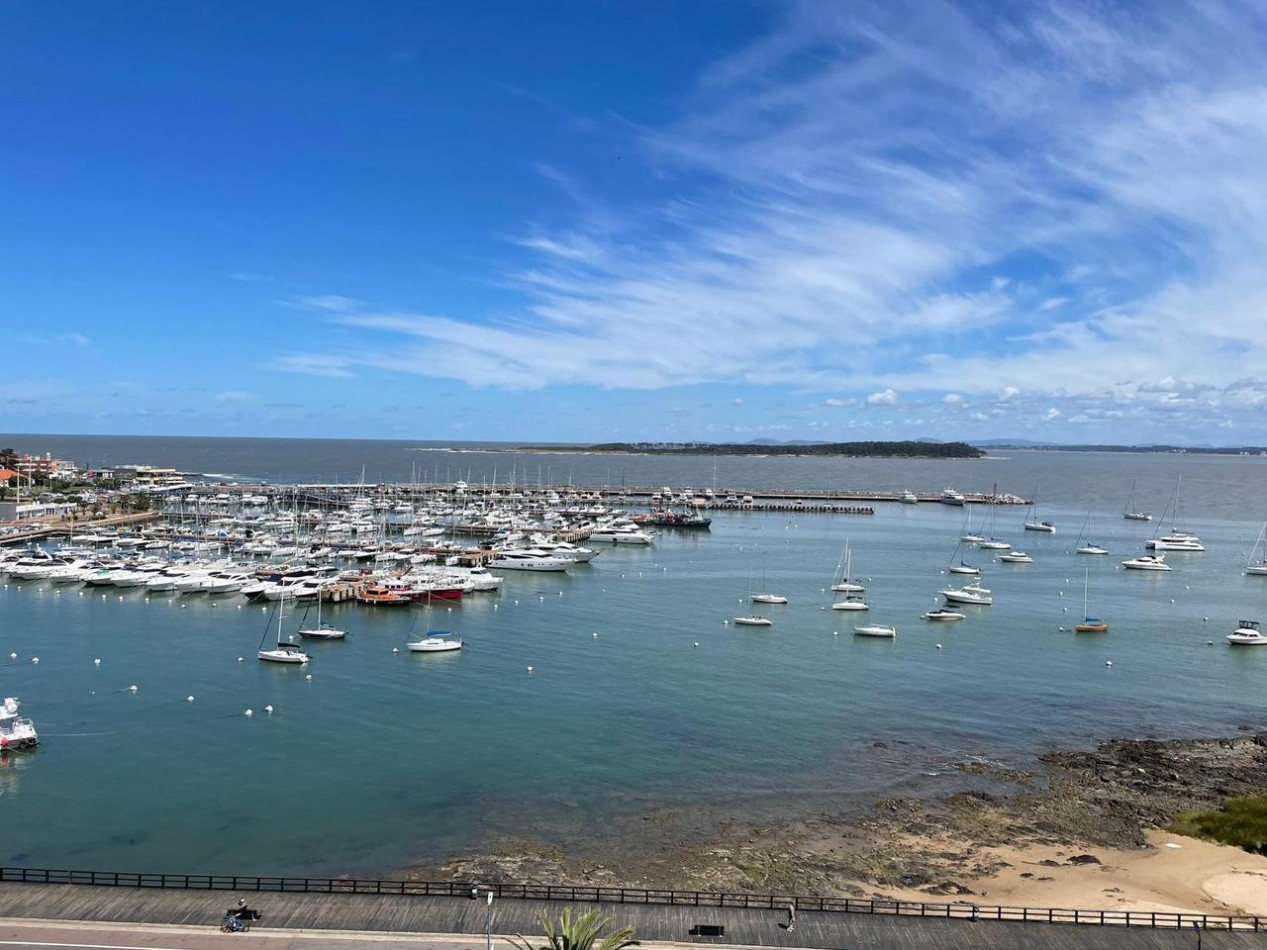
point(972, 593)
point(944, 615)
point(15, 731)
point(1131, 514)
point(1089, 624)
point(436, 641)
point(284, 651)
point(1246, 634)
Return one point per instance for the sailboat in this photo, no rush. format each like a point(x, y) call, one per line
point(1089, 624)
point(1257, 566)
point(994, 544)
point(1032, 522)
point(960, 567)
point(284, 652)
point(841, 581)
point(970, 536)
point(1089, 547)
point(853, 599)
point(1175, 539)
point(322, 631)
point(766, 598)
point(753, 619)
point(1131, 514)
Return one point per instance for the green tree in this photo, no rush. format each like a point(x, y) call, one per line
point(584, 933)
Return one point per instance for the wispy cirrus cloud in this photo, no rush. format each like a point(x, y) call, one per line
point(924, 198)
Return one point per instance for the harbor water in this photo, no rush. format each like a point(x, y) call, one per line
point(622, 687)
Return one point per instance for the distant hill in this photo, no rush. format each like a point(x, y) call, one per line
point(907, 449)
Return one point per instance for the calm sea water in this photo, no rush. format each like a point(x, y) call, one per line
point(383, 759)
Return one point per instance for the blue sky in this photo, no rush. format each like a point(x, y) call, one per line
point(615, 220)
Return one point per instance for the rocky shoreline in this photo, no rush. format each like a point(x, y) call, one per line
point(1078, 801)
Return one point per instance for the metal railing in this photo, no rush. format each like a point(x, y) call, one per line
point(633, 895)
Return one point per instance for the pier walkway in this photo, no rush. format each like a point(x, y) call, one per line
point(354, 919)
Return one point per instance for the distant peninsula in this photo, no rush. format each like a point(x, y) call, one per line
point(908, 449)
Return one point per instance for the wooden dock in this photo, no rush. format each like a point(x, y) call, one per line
point(413, 915)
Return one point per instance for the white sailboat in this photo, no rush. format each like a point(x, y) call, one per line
point(960, 566)
point(841, 579)
point(1131, 514)
point(853, 599)
point(283, 652)
point(1084, 544)
point(1257, 566)
point(1032, 521)
point(753, 619)
point(322, 631)
point(765, 597)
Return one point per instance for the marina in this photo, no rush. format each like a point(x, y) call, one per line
point(627, 672)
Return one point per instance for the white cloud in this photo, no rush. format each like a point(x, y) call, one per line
point(1046, 192)
point(886, 398)
point(1052, 414)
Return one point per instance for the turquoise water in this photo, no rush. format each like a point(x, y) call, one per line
point(383, 759)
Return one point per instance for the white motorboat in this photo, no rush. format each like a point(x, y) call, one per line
point(875, 630)
point(1246, 634)
point(620, 532)
point(529, 559)
point(908, 497)
point(942, 615)
point(436, 641)
point(1015, 557)
point(972, 593)
point(951, 497)
point(768, 599)
point(754, 620)
point(573, 552)
point(1147, 562)
point(1175, 541)
point(15, 731)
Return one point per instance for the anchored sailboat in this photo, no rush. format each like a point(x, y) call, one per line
point(1089, 624)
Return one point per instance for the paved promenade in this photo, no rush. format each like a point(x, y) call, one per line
point(80, 916)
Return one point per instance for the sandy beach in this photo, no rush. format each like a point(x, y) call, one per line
point(1087, 833)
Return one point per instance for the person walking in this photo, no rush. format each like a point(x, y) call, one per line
point(791, 916)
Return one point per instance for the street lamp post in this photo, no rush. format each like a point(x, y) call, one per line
point(488, 923)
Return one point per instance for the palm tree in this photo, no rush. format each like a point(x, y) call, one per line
point(580, 934)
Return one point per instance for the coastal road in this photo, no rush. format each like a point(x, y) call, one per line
point(82, 917)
